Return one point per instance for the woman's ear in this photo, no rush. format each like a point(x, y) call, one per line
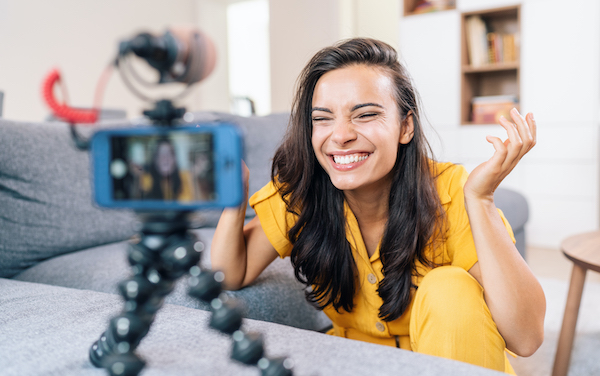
point(407, 129)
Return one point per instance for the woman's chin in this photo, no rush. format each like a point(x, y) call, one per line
point(346, 184)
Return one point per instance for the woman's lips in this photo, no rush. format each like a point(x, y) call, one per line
point(348, 161)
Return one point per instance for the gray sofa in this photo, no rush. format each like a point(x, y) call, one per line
point(61, 258)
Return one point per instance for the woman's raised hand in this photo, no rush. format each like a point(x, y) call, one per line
point(486, 177)
point(246, 183)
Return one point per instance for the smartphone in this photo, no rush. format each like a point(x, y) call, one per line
point(168, 168)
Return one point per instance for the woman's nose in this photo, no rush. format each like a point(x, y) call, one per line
point(343, 132)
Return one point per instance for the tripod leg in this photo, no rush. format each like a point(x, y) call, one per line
point(158, 260)
point(227, 317)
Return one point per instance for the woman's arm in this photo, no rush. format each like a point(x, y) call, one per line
point(240, 252)
point(513, 294)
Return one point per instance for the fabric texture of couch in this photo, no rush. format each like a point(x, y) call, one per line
point(61, 258)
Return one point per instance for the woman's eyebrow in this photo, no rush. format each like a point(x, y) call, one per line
point(361, 105)
point(321, 109)
point(366, 105)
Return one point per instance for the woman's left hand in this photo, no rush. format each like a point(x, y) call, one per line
point(486, 177)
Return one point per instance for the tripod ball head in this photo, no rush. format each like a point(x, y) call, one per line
point(276, 367)
point(206, 286)
point(247, 347)
point(226, 315)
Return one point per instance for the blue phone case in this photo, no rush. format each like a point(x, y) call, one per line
point(112, 167)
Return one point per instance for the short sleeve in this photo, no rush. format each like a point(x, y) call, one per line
point(274, 218)
point(460, 245)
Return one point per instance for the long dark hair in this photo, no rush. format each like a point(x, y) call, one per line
point(321, 254)
point(156, 191)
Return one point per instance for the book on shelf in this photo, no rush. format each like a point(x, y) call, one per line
point(488, 47)
point(427, 6)
point(488, 109)
point(501, 48)
point(476, 41)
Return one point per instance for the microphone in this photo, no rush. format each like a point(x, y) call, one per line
point(181, 54)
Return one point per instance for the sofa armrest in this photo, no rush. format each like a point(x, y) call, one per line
point(516, 210)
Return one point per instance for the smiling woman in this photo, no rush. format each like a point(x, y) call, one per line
point(355, 128)
point(398, 249)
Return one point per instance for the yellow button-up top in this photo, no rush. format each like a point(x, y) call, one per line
point(363, 323)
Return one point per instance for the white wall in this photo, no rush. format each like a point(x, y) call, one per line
point(560, 76)
point(249, 57)
point(299, 28)
point(213, 93)
point(80, 38)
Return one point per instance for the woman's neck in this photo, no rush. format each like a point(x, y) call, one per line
point(371, 212)
point(369, 205)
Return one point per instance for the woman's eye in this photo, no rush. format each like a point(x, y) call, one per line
point(367, 116)
point(317, 119)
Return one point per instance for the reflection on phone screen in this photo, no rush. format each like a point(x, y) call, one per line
point(176, 167)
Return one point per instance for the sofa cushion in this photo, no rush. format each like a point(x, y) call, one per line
point(48, 330)
point(45, 192)
point(262, 136)
point(275, 296)
point(45, 198)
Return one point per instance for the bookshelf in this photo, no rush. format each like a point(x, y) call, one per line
point(412, 7)
point(490, 63)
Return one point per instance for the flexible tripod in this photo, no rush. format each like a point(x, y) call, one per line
point(165, 251)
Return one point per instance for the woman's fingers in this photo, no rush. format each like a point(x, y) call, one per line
point(521, 135)
point(521, 138)
point(501, 150)
point(515, 144)
point(523, 126)
point(532, 128)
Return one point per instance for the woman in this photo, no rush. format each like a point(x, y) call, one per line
point(165, 180)
point(398, 249)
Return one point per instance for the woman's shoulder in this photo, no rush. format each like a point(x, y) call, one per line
point(450, 179)
point(447, 170)
point(269, 191)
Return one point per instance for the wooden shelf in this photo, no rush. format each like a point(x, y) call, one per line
point(497, 67)
point(489, 78)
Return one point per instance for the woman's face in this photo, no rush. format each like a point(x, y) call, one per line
point(356, 127)
point(165, 159)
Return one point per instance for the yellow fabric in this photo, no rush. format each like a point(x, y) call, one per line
point(450, 315)
point(186, 193)
point(363, 323)
point(187, 187)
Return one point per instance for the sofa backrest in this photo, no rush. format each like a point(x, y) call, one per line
point(46, 206)
point(262, 136)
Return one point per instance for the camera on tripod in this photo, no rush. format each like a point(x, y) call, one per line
point(164, 172)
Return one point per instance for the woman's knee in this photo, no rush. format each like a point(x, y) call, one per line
point(450, 297)
point(450, 318)
point(448, 285)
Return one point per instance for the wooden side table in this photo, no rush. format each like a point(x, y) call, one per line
point(584, 251)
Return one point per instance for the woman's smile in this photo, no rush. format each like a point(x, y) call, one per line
point(348, 161)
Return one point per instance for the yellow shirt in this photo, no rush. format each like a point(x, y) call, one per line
point(363, 323)
point(186, 194)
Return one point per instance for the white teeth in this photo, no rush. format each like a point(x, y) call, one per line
point(346, 159)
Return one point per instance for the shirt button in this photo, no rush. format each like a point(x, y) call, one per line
point(380, 327)
point(371, 278)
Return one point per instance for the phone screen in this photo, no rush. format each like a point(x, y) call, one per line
point(172, 167)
